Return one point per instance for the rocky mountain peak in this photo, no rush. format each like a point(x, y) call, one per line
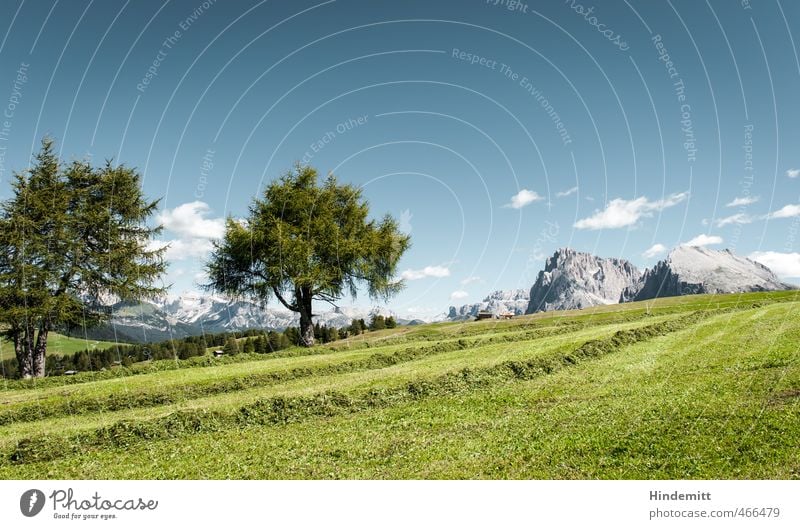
point(700, 270)
point(573, 280)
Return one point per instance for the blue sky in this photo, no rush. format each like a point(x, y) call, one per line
point(496, 131)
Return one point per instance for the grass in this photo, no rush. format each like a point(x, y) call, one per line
point(694, 387)
point(57, 345)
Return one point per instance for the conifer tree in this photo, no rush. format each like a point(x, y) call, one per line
point(71, 235)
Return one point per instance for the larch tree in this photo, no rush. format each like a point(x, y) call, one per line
point(303, 242)
point(71, 236)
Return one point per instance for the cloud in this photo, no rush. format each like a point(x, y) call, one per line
point(568, 192)
point(620, 213)
point(470, 279)
point(459, 294)
point(703, 240)
point(790, 210)
point(428, 271)
point(741, 201)
point(656, 249)
point(793, 173)
point(783, 264)
point(179, 249)
point(405, 221)
point(523, 198)
point(192, 231)
point(189, 221)
point(739, 218)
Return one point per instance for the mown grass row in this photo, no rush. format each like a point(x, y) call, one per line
point(282, 410)
point(431, 332)
point(114, 401)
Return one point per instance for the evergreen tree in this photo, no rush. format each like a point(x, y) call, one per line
point(377, 323)
point(355, 328)
point(70, 235)
point(292, 335)
point(331, 334)
point(391, 323)
point(231, 346)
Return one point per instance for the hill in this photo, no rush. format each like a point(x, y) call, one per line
point(58, 344)
point(701, 386)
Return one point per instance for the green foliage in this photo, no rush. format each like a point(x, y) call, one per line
point(70, 234)
point(391, 323)
point(231, 346)
point(377, 323)
point(304, 242)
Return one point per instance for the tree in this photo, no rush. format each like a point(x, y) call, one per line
point(71, 235)
point(355, 328)
point(231, 346)
point(304, 242)
point(377, 323)
point(391, 323)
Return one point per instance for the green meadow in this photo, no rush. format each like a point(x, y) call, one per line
point(57, 345)
point(690, 387)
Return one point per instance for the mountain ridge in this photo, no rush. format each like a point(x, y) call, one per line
point(573, 280)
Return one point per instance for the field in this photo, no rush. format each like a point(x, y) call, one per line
point(57, 344)
point(690, 387)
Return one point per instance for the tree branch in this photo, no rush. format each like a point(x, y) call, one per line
point(293, 308)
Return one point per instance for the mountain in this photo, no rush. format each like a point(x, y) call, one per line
point(497, 302)
point(575, 280)
point(698, 270)
point(193, 314)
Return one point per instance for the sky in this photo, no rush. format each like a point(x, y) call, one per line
point(494, 131)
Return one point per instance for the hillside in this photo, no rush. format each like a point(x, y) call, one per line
point(58, 344)
point(690, 387)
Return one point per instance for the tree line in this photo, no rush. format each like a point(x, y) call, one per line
point(252, 341)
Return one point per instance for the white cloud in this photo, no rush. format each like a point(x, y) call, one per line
point(192, 231)
point(656, 249)
point(793, 173)
point(523, 198)
point(790, 210)
point(783, 264)
point(704, 240)
point(470, 279)
point(568, 192)
point(405, 221)
point(742, 201)
point(189, 221)
point(739, 218)
point(620, 213)
point(428, 271)
point(459, 294)
point(179, 249)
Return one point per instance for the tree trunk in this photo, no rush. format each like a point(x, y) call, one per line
point(306, 323)
point(24, 359)
point(39, 351)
